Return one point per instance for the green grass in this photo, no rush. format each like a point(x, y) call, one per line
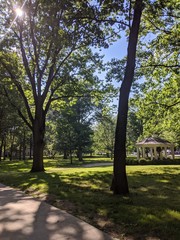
point(151, 210)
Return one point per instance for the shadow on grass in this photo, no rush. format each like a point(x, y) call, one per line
point(151, 210)
point(26, 218)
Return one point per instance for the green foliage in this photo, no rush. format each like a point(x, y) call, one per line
point(104, 133)
point(74, 126)
point(13, 133)
point(157, 101)
point(48, 48)
point(158, 108)
point(134, 129)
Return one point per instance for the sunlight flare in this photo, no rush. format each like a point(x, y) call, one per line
point(19, 12)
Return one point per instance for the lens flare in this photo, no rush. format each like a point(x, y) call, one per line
point(19, 12)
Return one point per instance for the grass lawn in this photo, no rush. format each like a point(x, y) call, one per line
point(151, 211)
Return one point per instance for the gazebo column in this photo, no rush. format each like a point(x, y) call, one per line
point(143, 152)
point(161, 157)
point(137, 153)
point(155, 153)
point(151, 153)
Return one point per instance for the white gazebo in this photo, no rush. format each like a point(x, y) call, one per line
point(155, 145)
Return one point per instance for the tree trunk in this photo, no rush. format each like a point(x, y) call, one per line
point(1, 147)
point(20, 151)
point(65, 156)
point(4, 149)
point(11, 152)
point(111, 154)
point(24, 146)
point(38, 144)
point(79, 154)
point(70, 152)
point(119, 181)
point(30, 148)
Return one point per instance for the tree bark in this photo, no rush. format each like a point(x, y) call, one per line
point(79, 154)
point(1, 147)
point(24, 146)
point(119, 182)
point(4, 149)
point(20, 151)
point(30, 148)
point(65, 156)
point(38, 142)
point(11, 152)
point(70, 152)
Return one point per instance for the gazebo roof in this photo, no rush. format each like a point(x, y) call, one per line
point(154, 141)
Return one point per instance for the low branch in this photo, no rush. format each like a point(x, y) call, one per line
point(16, 83)
point(158, 28)
point(161, 65)
point(164, 105)
point(17, 109)
point(102, 20)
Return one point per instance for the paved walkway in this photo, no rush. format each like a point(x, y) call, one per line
point(25, 218)
point(97, 164)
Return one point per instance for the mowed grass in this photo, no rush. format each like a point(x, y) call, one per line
point(151, 211)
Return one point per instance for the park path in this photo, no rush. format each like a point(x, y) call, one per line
point(97, 164)
point(24, 218)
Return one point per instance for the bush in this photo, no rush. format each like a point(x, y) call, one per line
point(152, 162)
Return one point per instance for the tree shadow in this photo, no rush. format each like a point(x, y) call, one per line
point(150, 211)
point(26, 218)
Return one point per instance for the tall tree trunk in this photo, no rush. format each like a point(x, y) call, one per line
point(4, 149)
point(38, 142)
point(20, 151)
point(11, 152)
point(119, 181)
point(24, 146)
point(30, 148)
point(70, 153)
point(1, 147)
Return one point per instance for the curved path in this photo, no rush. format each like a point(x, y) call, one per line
point(25, 218)
point(98, 164)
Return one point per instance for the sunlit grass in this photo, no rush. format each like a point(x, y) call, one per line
point(151, 210)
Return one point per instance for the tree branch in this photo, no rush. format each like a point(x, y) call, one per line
point(18, 110)
point(158, 28)
point(16, 83)
point(164, 105)
point(52, 75)
point(102, 20)
point(36, 54)
point(161, 65)
point(26, 65)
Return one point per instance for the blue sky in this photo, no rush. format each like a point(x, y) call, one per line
point(116, 50)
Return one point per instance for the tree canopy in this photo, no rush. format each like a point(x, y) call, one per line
point(46, 55)
point(39, 54)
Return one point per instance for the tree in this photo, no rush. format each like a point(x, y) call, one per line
point(47, 36)
point(74, 127)
point(134, 128)
point(157, 16)
point(158, 109)
point(119, 182)
point(10, 123)
point(158, 63)
point(104, 132)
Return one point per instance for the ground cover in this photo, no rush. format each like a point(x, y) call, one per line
point(151, 211)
